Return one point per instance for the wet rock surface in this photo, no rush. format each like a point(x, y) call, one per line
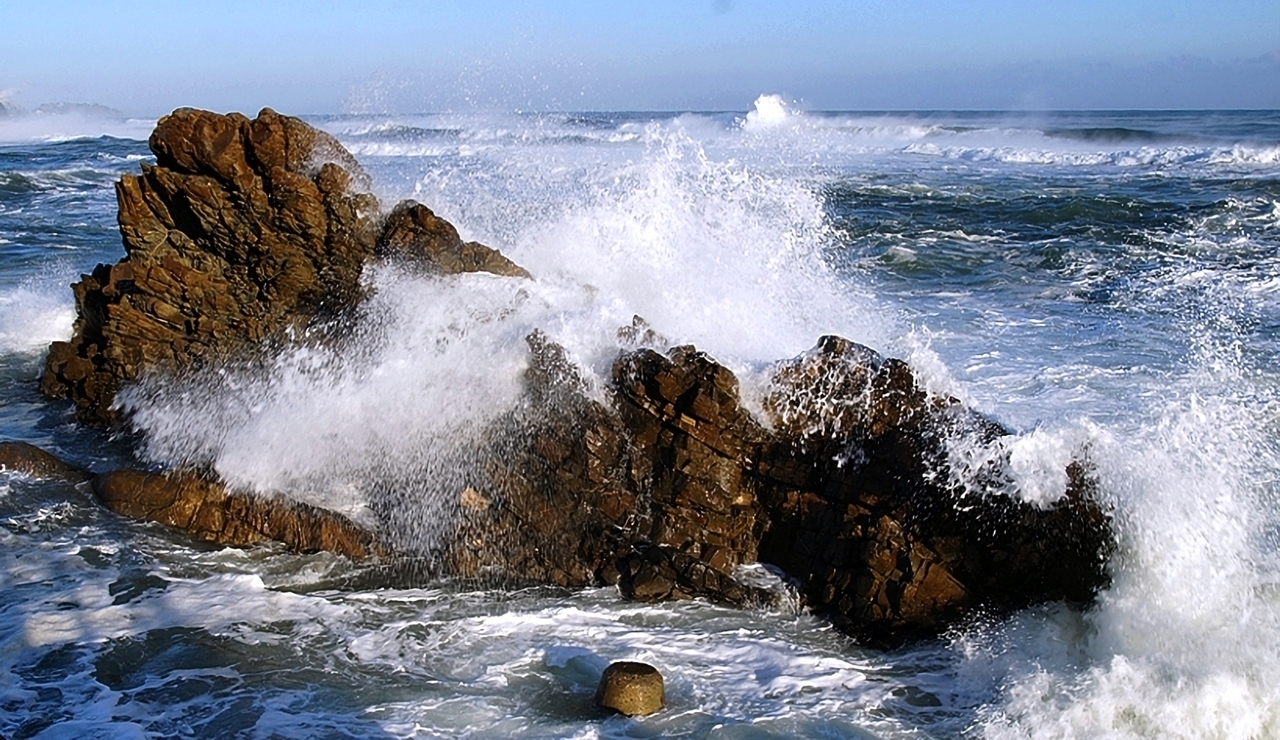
point(27, 459)
point(631, 688)
point(208, 511)
point(656, 478)
point(865, 513)
point(669, 484)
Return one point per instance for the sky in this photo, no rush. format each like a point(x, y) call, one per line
point(146, 57)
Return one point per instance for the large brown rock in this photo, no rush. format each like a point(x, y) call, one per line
point(865, 512)
point(241, 230)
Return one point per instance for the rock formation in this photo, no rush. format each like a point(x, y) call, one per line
point(242, 231)
point(203, 508)
point(207, 511)
point(664, 483)
point(865, 513)
point(671, 484)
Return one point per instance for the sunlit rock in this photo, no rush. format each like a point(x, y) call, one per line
point(244, 231)
point(412, 232)
point(631, 688)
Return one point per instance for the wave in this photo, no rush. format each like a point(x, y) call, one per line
point(71, 126)
point(1110, 135)
point(1176, 156)
point(34, 314)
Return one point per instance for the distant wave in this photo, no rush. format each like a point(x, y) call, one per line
point(403, 132)
point(1110, 135)
point(1144, 156)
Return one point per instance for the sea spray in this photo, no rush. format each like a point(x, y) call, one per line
point(390, 417)
point(393, 408)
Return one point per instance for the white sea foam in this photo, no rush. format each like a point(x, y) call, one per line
point(33, 315)
point(769, 111)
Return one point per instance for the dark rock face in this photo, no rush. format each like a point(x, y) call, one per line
point(862, 511)
point(207, 511)
point(671, 483)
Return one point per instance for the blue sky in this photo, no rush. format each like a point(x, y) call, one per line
point(147, 57)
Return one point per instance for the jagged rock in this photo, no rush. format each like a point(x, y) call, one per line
point(561, 508)
point(643, 489)
point(669, 484)
point(863, 511)
point(207, 511)
point(414, 233)
point(242, 230)
point(27, 459)
point(691, 443)
point(631, 688)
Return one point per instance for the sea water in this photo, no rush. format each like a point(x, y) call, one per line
point(1106, 283)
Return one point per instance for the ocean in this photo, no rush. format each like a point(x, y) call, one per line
point(1106, 283)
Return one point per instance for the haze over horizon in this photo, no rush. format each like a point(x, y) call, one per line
point(148, 57)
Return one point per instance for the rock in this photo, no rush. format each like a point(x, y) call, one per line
point(207, 511)
point(663, 573)
point(691, 443)
point(27, 459)
point(865, 513)
point(631, 688)
point(669, 484)
point(557, 482)
point(414, 233)
point(242, 230)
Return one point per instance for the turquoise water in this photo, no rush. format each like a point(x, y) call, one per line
point(1106, 283)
